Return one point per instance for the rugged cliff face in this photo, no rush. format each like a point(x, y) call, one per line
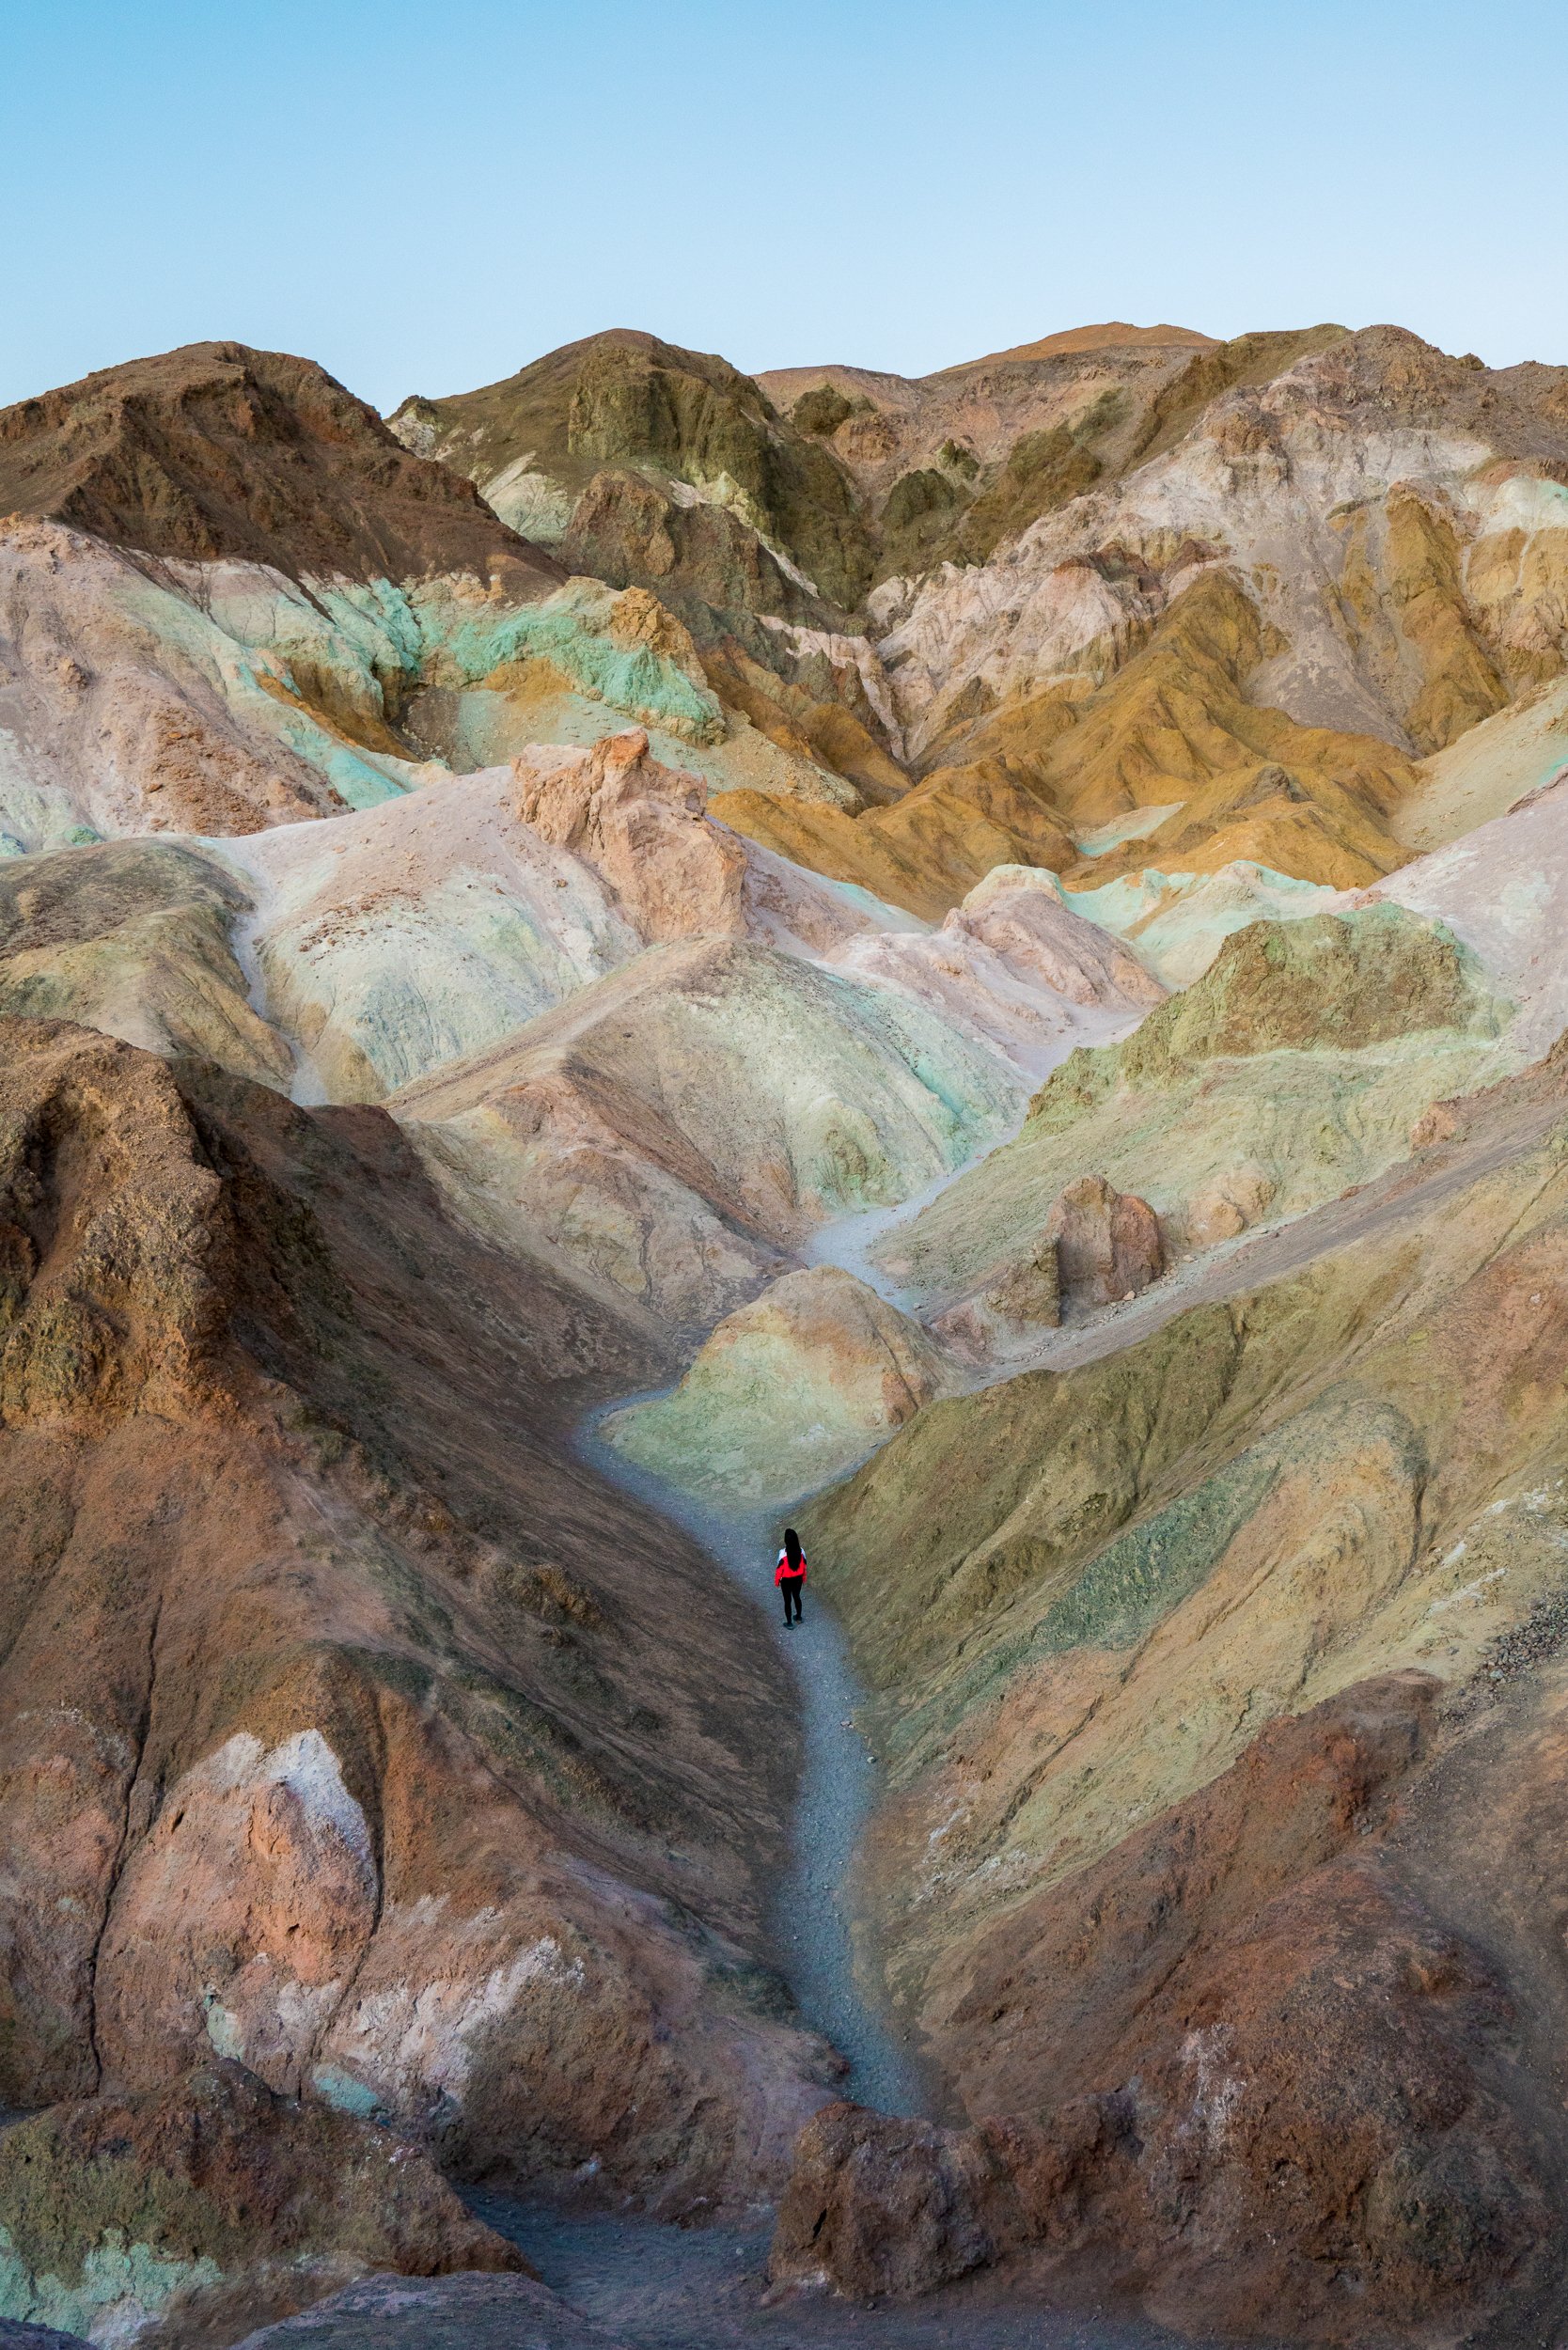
point(1149, 601)
point(1394, 520)
point(217, 450)
point(662, 467)
point(331, 1677)
point(997, 940)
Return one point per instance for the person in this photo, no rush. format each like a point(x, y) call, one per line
point(789, 1575)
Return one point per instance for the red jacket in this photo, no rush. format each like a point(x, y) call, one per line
point(782, 1572)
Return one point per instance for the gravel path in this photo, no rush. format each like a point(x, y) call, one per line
point(1412, 1189)
point(839, 1784)
point(654, 2288)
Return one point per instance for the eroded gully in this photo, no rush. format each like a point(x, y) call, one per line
point(811, 1916)
point(813, 1906)
point(839, 1780)
point(654, 2287)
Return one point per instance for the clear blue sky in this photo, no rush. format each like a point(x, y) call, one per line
point(425, 197)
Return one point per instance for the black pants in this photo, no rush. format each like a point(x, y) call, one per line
point(790, 1586)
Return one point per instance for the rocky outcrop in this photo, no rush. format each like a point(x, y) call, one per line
point(1107, 1242)
point(877, 2206)
point(1209, 2118)
point(1098, 1246)
point(1175, 725)
point(1413, 655)
point(129, 711)
point(223, 697)
point(434, 925)
point(1183, 1683)
point(625, 650)
point(927, 850)
point(1491, 769)
point(633, 398)
point(1172, 724)
point(1021, 916)
point(116, 1250)
point(421, 930)
point(1228, 1206)
point(135, 938)
point(552, 1157)
point(642, 827)
point(1342, 980)
point(1176, 923)
point(805, 723)
point(1014, 961)
point(953, 464)
point(1008, 1314)
point(788, 1391)
point(674, 1125)
point(218, 450)
point(661, 467)
point(183, 2215)
point(1468, 888)
point(361, 1756)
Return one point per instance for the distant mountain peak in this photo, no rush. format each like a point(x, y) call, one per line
point(1114, 335)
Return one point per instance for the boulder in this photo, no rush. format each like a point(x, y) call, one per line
point(210, 2201)
point(1443, 1123)
point(1098, 1247)
point(879, 2206)
point(644, 826)
point(1107, 1242)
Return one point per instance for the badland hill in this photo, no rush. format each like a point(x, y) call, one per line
point(978, 961)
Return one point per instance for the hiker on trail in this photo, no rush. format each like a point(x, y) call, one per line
point(789, 1575)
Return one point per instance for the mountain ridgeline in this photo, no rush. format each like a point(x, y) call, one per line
point(977, 964)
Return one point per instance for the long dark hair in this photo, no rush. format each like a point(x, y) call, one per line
point(792, 1549)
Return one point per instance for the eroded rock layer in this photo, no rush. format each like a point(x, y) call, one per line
point(995, 940)
point(340, 1740)
point(1194, 1685)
